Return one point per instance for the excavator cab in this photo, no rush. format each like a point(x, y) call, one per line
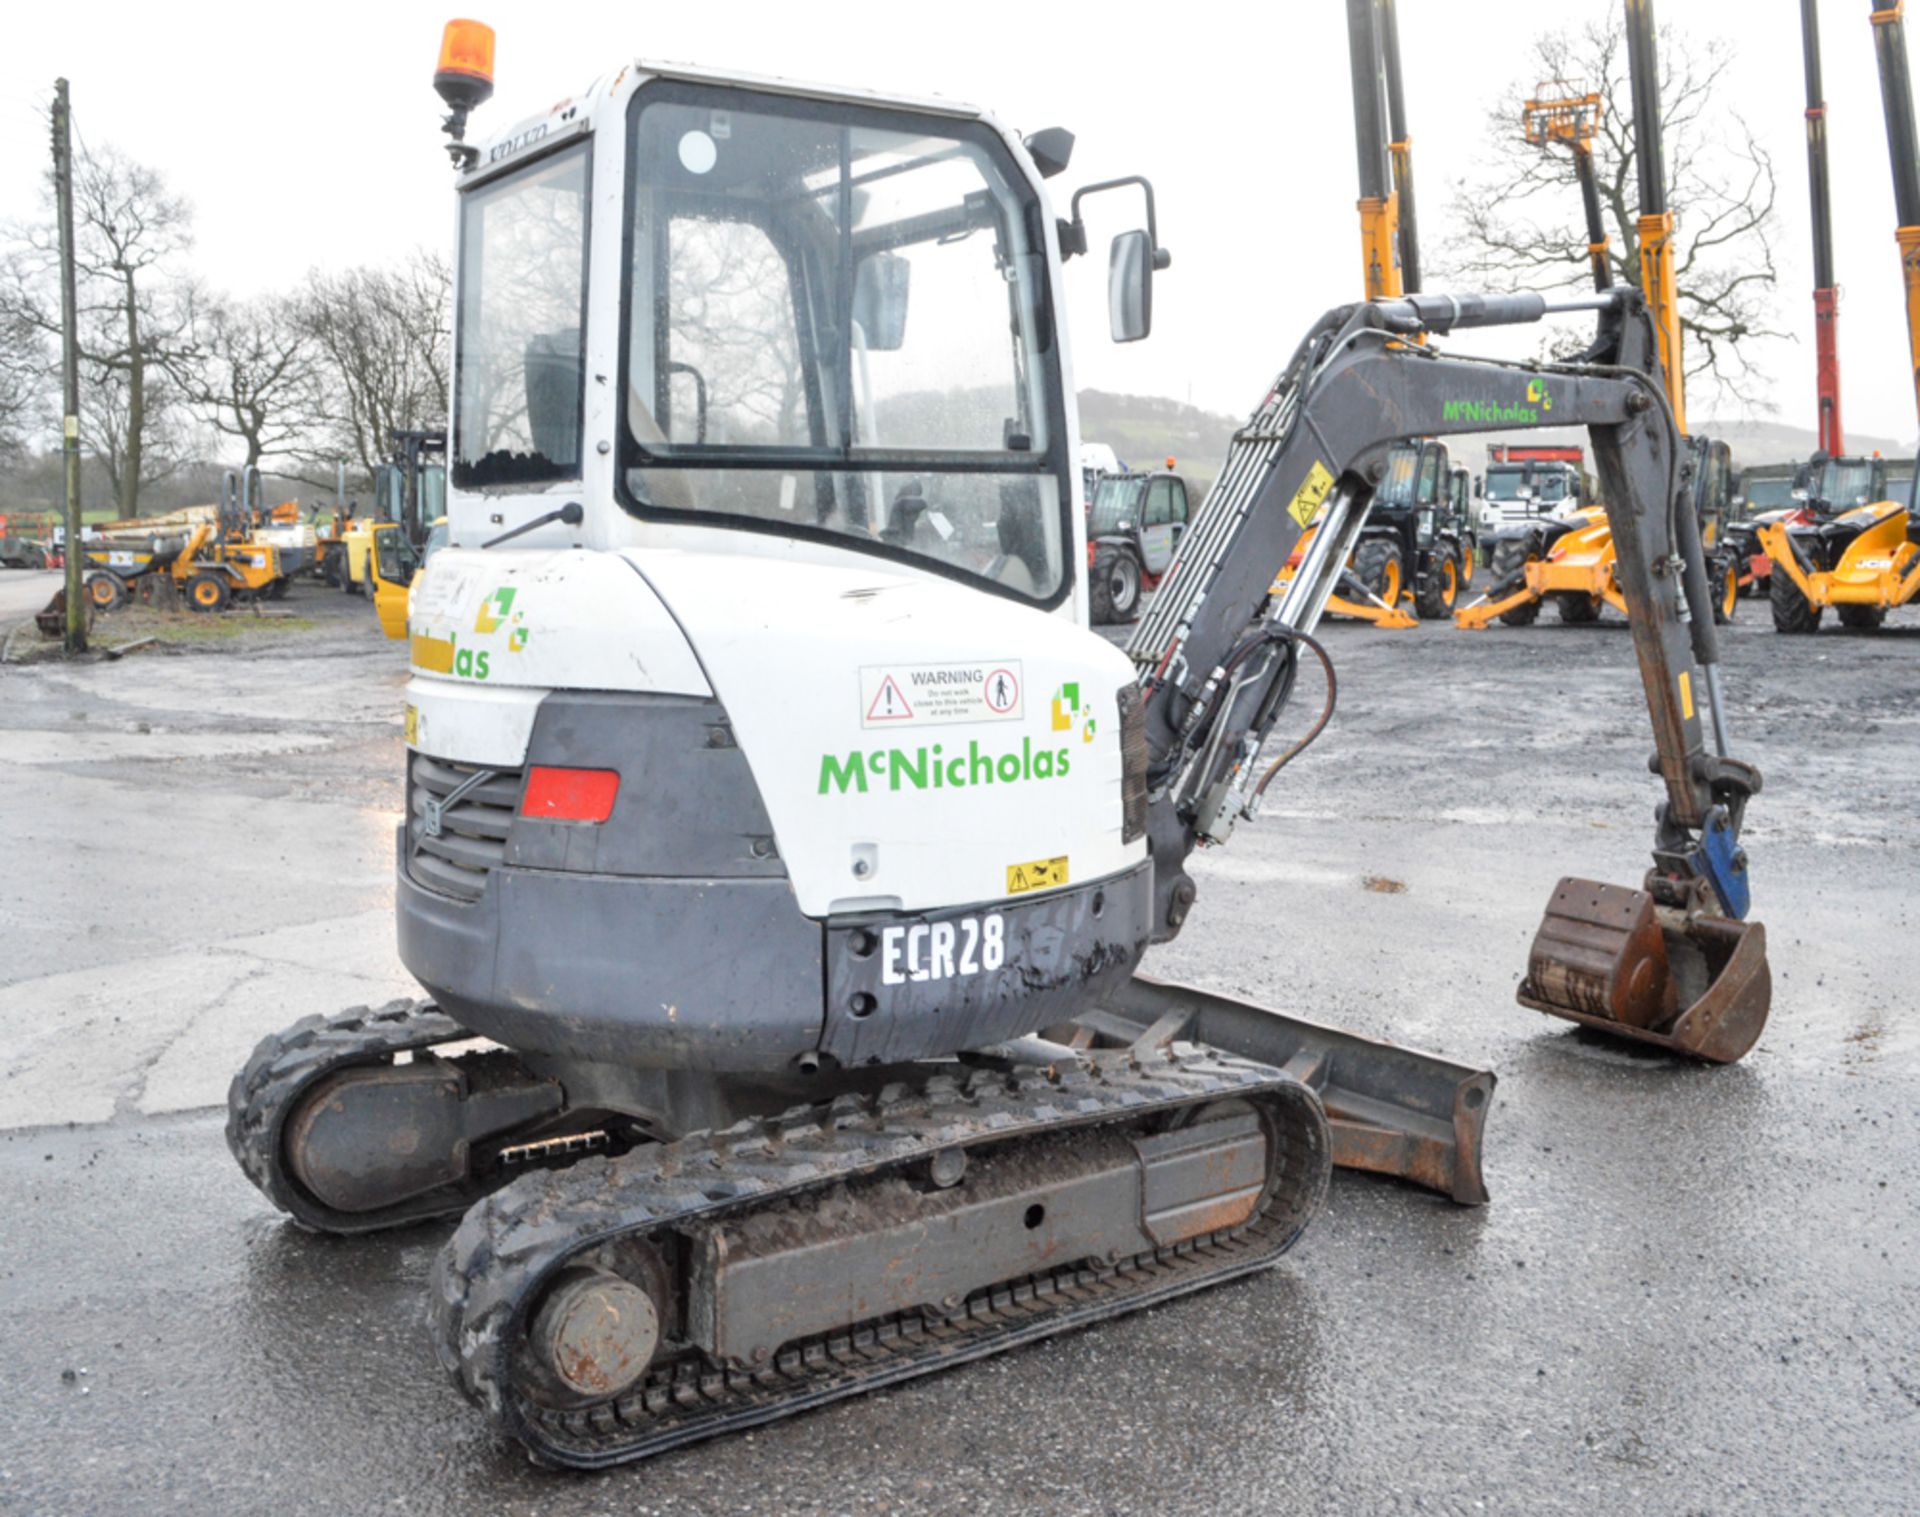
point(1832, 486)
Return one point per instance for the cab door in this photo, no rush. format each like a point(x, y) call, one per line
point(1162, 521)
point(393, 562)
point(1713, 492)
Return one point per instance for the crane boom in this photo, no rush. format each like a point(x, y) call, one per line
point(1896, 97)
point(1826, 293)
point(1659, 280)
point(1400, 148)
point(1379, 205)
point(1560, 113)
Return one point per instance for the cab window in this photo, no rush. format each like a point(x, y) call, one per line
point(1159, 503)
point(1429, 477)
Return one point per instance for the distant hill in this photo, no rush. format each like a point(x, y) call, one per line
point(1753, 442)
point(1145, 430)
point(1770, 442)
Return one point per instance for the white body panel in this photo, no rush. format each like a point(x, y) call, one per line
point(477, 724)
point(574, 620)
point(784, 648)
point(780, 629)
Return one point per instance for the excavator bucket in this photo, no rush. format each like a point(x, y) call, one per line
point(1611, 959)
point(1392, 1110)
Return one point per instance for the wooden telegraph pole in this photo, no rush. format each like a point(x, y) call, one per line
point(76, 641)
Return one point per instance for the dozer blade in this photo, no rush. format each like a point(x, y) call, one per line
point(1393, 1110)
point(1611, 959)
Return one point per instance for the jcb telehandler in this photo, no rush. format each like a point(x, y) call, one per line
point(1862, 558)
point(797, 855)
point(1134, 523)
point(1572, 560)
point(1849, 544)
point(1417, 548)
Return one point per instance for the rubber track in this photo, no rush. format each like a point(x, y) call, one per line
point(489, 1276)
point(285, 1065)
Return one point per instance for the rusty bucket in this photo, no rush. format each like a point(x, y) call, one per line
point(1614, 960)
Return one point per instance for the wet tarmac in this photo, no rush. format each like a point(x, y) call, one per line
point(1694, 1290)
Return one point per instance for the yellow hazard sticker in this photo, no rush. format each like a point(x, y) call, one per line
point(1041, 874)
point(1686, 695)
point(432, 655)
point(413, 725)
point(1311, 494)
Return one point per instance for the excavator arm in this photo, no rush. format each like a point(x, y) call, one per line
point(1215, 675)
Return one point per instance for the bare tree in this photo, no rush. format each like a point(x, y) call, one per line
point(379, 345)
point(1520, 217)
point(26, 389)
point(130, 230)
point(733, 321)
point(247, 372)
point(137, 442)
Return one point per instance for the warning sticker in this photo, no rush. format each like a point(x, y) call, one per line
point(927, 695)
point(442, 590)
point(1040, 874)
point(1311, 494)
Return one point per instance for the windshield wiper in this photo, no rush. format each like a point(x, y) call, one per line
point(570, 513)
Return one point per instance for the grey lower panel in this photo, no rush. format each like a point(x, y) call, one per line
point(689, 973)
point(687, 805)
point(1060, 952)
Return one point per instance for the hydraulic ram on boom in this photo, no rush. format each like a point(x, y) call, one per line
point(1673, 963)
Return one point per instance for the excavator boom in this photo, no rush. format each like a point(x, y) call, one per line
point(1214, 681)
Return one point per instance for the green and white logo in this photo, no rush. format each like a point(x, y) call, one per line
point(1071, 714)
point(1495, 413)
point(932, 767)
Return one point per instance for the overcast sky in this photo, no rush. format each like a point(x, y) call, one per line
point(308, 135)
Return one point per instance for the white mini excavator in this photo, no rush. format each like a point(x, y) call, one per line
point(780, 844)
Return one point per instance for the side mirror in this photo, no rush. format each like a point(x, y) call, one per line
point(880, 300)
point(1479, 487)
point(1130, 287)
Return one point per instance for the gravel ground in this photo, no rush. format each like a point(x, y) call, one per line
point(1694, 1289)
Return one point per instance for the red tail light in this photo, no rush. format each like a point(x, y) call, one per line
point(569, 795)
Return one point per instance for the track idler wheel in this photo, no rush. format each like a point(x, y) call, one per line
point(374, 1137)
point(1613, 960)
